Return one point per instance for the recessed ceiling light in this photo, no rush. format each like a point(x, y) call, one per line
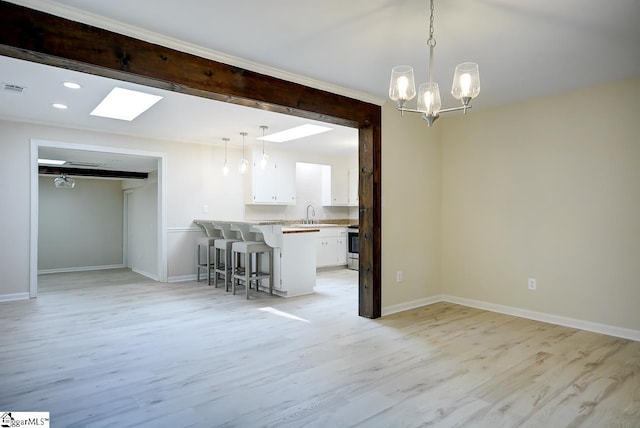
point(59, 106)
point(295, 133)
point(51, 161)
point(71, 85)
point(124, 104)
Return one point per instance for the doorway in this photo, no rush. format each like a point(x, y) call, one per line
point(158, 239)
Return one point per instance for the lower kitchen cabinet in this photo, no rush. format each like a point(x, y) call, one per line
point(331, 247)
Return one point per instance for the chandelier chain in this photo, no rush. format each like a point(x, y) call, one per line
point(431, 42)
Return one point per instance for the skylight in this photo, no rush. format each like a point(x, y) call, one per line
point(295, 133)
point(44, 161)
point(125, 104)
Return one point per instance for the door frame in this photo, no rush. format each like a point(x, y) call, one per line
point(161, 207)
point(126, 195)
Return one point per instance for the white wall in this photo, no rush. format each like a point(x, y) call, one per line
point(547, 189)
point(80, 227)
point(15, 201)
point(411, 210)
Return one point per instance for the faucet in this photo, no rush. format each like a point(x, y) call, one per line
point(313, 213)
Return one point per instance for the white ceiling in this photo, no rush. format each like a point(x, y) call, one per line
point(525, 49)
point(177, 117)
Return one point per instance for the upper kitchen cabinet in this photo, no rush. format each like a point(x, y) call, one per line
point(340, 185)
point(275, 184)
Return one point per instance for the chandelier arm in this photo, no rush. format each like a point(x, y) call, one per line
point(446, 110)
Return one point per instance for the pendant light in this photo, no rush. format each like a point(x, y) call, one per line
point(466, 85)
point(265, 157)
point(225, 167)
point(64, 182)
point(244, 163)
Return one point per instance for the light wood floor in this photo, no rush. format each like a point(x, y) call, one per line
point(67, 281)
point(149, 354)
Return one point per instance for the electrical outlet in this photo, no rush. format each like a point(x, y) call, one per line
point(532, 284)
point(205, 209)
point(399, 276)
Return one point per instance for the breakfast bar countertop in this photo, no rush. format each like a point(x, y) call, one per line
point(288, 229)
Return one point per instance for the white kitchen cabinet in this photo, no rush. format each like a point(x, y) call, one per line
point(297, 268)
point(331, 247)
point(273, 185)
point(342, 248)
point(340, 186)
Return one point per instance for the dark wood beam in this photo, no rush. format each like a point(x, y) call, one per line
point(369, 189)
point(87, 172)
point(47, 39)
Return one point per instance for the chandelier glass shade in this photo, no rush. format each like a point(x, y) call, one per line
point(402, 88)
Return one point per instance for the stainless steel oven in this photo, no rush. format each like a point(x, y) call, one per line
point(353, 248)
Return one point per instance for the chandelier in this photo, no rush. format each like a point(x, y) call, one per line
point(466, 86)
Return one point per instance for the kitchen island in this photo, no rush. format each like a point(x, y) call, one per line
point(294, 254)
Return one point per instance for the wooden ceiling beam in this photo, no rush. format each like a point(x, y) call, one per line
point(89, 172)
point(38, 36)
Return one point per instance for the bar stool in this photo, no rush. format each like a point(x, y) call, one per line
point(251, 250)
point(207, 242)
point(222, 253)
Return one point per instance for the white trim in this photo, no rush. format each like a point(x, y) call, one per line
point(610, 330)
point(126, 194)
point(162, 251)
point(147, 274)
point(33, 235)
point(183, 278)
point(401, 307)
point(79, 269)
point(13, 297)
point(183, 229)
point(78, 15)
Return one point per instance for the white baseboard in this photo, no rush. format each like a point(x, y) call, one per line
point(388, 310)
point(624, 333)
point(80, 269)
point(594, 327)
point(147, 274)
point(193, 229)
point(14, 296)
point(184, 278)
